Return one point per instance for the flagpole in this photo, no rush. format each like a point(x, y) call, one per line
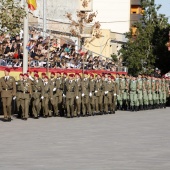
point(44, 18)
point(25, 51)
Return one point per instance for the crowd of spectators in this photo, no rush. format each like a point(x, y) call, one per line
point(49, 51)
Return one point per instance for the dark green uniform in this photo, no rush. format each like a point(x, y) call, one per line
point(85, 96)
point(70, 96)
point(38, 92)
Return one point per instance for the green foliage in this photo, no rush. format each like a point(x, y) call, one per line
point(114, 57)
point(144, 51)
point(11, 16)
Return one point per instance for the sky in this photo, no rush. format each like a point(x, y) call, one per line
point(165, 9)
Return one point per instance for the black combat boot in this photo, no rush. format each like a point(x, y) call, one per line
point(132, 108)
point(136, 108)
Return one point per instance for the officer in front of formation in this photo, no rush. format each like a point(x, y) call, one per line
point(8, 92)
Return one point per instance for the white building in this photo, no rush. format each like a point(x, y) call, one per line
point(114, 16)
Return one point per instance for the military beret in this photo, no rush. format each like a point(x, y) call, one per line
point(43, 74)
point(52, 73)
point(92, 75)
point(21, 74)
point(112, 77)
point(28, 71)
point(77, 74)
point(35, 71)
point(36, 75)
point(71, 75)
point(7, 69)
point(46, 77)
point(58, 73)
point(26, 74)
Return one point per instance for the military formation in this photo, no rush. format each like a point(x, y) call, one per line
point(75, 95)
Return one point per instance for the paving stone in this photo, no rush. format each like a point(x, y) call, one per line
point(124, 141)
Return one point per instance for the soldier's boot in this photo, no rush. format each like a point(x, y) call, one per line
point(141, 107)
point(164, 105)
point(146, 107)
point(132, 108)
point(127, 108)
point(136, 108)
point(116, 108)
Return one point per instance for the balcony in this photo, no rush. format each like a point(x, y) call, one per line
point(135, 2)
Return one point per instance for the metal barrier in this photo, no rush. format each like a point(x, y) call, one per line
point(17, 63)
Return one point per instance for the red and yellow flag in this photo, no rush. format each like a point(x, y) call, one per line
point(32, 4)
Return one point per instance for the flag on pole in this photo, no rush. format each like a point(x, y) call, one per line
point(32, 4)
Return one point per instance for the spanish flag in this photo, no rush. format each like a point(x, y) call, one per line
point(32, 4)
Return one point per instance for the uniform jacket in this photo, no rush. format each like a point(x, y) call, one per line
point(38, 89)
point(99, 88)
point(85, 86)
point(70, 89)
point(26, 89)
point(8, 88)
point(47, 90)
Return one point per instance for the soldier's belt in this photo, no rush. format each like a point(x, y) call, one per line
point(36, 91)
point(6, 89)
point(25, 92)
point(19, 91)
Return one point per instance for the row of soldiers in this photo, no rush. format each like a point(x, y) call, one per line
point(74, 96)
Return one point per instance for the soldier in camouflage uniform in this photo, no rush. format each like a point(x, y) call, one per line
point(140, 92)
point(133, 94)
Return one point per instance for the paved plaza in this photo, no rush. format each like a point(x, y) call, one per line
point(124, 141)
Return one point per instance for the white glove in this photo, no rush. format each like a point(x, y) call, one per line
point(42, 97)
point(115, 94)
point(54, 89)
point(90, 94)
point(31, 78)
point(16, 83)
point(64, 95)
point(83, 95)
point(106, 92)
point(14, 97)
point(77, 97)
point(96, 91)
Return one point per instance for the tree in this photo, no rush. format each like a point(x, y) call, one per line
point(11, 16)
point(84, 19)
point(141, 52)
point(114, 57)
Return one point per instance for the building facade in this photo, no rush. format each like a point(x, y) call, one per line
point(115, 16)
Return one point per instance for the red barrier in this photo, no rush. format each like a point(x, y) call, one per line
point(2, 68)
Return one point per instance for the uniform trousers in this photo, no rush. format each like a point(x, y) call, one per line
point(7, 103)
point(25, 101)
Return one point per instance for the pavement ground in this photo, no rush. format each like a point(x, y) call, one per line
point(124, 141)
